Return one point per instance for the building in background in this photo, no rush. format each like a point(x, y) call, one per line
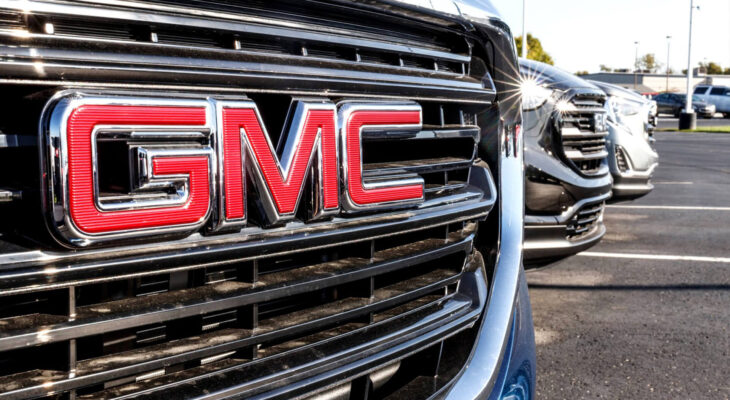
point(649, 83)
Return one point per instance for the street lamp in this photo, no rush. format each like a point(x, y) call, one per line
point(688, 119)
point(636, 64)
point(524, 32)
point(669, 42)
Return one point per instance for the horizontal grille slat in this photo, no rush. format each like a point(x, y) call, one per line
point(183, 44)
point(454, 311)
point(209, 298)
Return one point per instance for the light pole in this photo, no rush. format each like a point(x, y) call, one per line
point(636, 64)
point(524, 32)
point(688, 119)
point(669, 42)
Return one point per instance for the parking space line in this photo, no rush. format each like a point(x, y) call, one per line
point(666, 257)
point(691, 208)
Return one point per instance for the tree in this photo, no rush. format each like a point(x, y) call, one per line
point(605, 68)
point(581, 73)
point(534, 50)
point(727, 71)
point(649, 63)
point(711, 68)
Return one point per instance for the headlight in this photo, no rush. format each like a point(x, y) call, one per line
point(622, 107)
point(534, 95)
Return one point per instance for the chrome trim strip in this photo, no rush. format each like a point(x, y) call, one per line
point(135, 12)
point(81, 84)
point(480, 376)
point(110, 61)
point(468, 204)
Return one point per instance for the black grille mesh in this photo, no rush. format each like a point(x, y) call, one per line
point(585, 221)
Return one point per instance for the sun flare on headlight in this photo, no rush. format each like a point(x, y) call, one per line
point(533, 94)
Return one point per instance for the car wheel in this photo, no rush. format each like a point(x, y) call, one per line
point(726, 115)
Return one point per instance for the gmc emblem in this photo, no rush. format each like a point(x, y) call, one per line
point(191, 161)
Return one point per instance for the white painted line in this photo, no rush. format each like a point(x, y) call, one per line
point(666, 257)
point(673, 183)
point(689, 208)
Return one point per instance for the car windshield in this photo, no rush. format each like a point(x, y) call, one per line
point(695, 99)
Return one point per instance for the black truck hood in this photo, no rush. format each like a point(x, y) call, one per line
point(553, 77)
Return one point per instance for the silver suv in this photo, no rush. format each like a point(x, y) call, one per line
point(632, 159)
point(717, 95)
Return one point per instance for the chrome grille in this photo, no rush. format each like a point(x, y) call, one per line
point(335, 301)
point(583, 140)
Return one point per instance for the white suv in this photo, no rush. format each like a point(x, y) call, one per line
point(717, 95)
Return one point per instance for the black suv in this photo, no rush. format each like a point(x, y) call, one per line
point(567, 179)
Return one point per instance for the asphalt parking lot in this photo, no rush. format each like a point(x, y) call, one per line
point(646, 313)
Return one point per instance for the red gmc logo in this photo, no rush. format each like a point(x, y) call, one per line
point(192, 160)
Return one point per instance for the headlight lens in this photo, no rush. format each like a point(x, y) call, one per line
point(534, 95)
point(624, 108)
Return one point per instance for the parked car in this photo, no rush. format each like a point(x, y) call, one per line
point(719, 96)
point(231, 200)
point(567, 180)
point(674, 103)
point(632, 159)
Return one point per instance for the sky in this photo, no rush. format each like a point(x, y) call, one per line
point(580, 35)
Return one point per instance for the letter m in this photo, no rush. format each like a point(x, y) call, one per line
point(307, 148)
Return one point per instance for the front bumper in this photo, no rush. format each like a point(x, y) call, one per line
point(632, 161)
point(707, 112)
point(547, 239)
point(632, 184)
point(556, 196)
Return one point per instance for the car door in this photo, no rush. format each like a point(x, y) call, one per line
point(663, 104)
point(723, 101)
point(677, 103)
point(715, 96)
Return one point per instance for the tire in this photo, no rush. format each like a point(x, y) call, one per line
point(726, 115)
